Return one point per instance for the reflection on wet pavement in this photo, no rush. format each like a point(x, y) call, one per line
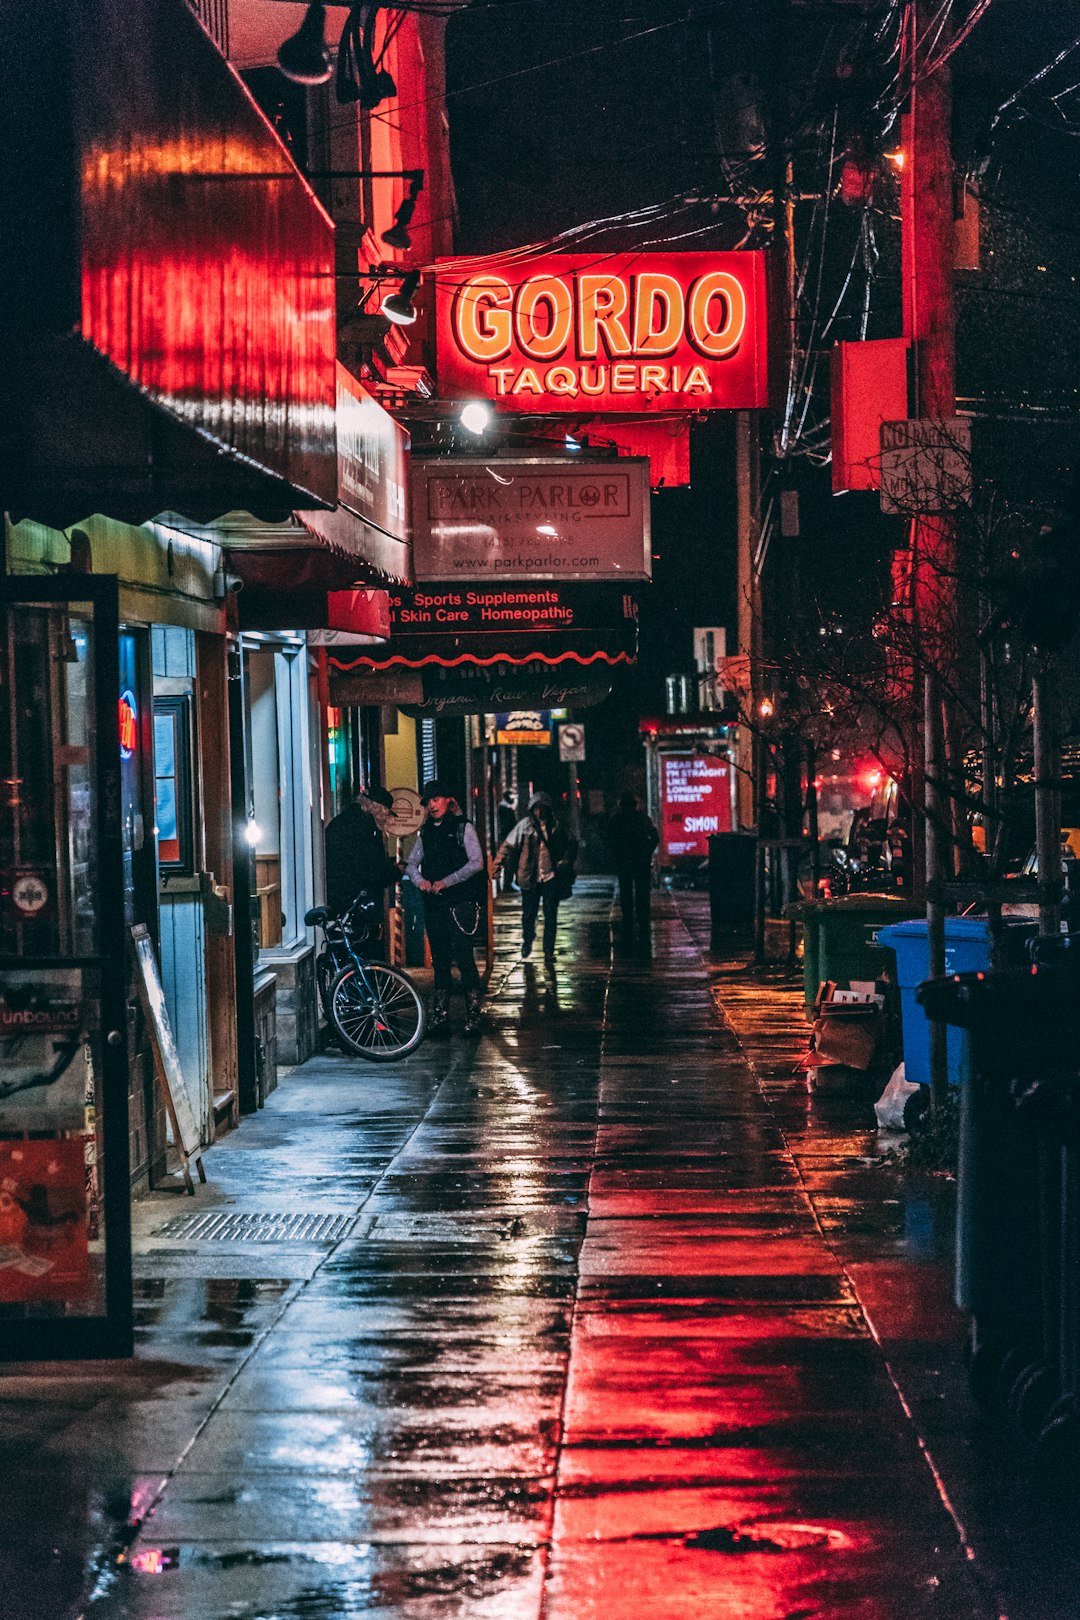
point(618, 1331)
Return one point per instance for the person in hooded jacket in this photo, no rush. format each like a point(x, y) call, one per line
point(446, 864)
point(540, 845)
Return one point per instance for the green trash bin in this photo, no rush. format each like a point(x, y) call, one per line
point(839, 936)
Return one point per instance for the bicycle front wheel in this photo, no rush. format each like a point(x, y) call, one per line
point(377, 1012)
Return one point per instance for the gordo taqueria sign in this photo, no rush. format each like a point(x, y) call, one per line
point(590, 333)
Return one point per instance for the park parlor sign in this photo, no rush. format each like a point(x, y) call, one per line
point(591, 333)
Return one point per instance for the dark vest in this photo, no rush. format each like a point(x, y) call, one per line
point(444, 853)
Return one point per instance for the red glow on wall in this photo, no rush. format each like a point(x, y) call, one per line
point(629, 332)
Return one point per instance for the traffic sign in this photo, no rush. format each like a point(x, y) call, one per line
point(572, 742)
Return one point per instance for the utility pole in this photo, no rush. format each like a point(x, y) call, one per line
point(926, 213)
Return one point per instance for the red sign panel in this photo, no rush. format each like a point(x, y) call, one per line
point(43, 1221)
point(581, 333)
point(695, 802)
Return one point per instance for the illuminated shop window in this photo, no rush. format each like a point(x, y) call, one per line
point(173, 807)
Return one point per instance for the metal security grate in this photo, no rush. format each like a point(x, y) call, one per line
point(231, 1226)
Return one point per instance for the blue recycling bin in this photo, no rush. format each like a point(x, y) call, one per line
point(967, 950)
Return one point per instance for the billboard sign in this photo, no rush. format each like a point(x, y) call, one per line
point(517, 728)
point(538, 518)
point(586, 333)
point(695, 792)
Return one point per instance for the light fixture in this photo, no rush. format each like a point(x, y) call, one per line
point(252, 834)
point(305, 56)
point(398, 234)
point(399, 307)
point(766, 708)
point(896, 158)
point(475, 416)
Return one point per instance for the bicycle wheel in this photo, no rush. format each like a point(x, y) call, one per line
point(382, 1020)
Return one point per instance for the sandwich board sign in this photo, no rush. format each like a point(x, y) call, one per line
point(187, 1137)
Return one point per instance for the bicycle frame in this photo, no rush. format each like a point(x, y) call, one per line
point(340, 945)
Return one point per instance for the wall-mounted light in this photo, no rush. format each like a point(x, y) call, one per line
point(399, 306)
point(896, 158)
point(305, 56)
point(252, 834)
point(398, 234)
point(475, 416)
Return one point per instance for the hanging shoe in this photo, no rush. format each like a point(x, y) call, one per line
point(474, 1000)
point(439, 1017)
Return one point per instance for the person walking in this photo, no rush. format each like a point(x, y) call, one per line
point(506, 813)
point(447, 865)
point(633, 839)
point(545, 858)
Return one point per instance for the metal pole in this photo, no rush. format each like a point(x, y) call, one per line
point(574, 804)
point(935, 875)
point(760, 765)
point(812, 819)
point(1047, 795)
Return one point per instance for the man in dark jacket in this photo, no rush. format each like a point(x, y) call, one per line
point(356, 855)
point(633, 838)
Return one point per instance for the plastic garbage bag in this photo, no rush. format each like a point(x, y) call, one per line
point(889, 1107)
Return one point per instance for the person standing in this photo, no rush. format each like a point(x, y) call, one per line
point(447, 865)
point(542, 848)
point(506, 813)
point(356, 857)
point(633, 840)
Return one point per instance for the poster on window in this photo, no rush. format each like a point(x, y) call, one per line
point(696, 802)
point(46, 1020)
point(44, 1253)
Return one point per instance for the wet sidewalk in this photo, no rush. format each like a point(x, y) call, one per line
point(603, 1316)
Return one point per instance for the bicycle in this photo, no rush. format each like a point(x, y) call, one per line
point(375, 1009)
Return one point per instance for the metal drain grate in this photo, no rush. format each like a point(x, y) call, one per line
point(231, 1226)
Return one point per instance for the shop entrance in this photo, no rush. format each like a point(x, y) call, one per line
point(65, 724)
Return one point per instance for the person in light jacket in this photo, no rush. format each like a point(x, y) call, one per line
point(446, 864)
point(540, 845)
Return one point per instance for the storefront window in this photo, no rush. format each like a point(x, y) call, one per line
point(277, 696)
point(173, 807)
point(51, 1226)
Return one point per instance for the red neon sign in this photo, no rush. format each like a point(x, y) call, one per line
point(628, 332)
point(129, 717)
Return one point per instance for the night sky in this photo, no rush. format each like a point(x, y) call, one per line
point(549, 131)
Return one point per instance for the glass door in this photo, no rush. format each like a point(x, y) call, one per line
point(65, 1219)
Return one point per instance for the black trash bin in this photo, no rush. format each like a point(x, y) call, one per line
point(732, 857)
point(1018, 1239)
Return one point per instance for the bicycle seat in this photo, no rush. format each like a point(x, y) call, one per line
point(316, 917)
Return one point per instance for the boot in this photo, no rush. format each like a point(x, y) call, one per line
point(439, 1017)
point(473, 1002)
